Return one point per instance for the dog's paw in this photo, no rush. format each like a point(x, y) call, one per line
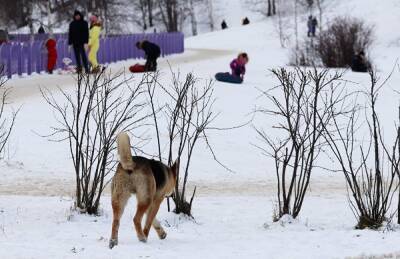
point(113, 242)
point(142, 239)
point(163, 235)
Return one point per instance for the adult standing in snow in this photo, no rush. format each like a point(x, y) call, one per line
point(314, 25)
point(224, 25)
point(78, 37)
point(152, 52)
point(41, 29)
point(94, 42)
point(309, 26)
point(245, 21)
point(3, 36)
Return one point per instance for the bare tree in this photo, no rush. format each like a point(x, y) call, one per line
point(89, 119)
point(302, 112)
point(169, 10)
point(188, 115)
point(370, 189)
point(193, 17)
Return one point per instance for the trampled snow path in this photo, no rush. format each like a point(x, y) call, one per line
point(27, 87)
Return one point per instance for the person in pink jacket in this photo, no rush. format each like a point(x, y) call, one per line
point(238, 70)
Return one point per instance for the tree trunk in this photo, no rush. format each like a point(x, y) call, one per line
point(150, 12)
point(273, 7)
point(269, 11)
point(211, 15)
point(193, 18)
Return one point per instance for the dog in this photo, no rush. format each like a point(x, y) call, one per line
point(151, 180)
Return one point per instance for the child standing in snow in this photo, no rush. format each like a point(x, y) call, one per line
point(94, 42)
point(238, 70)
point(51, 54)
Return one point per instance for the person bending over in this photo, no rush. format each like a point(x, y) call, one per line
point(152, 52)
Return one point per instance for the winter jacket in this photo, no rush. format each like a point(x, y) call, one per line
point(94, 36)
point(359, 64)
point(151, 50)
point(94, 44)
point(238, 70)
point(78, 31)
point(51, 54)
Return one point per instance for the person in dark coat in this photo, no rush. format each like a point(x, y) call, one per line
point(41, 29)
point(78, 37)
point(314, 24)
point(309, 26)
point(224, 25)
point(152, 52)
point(359, 62)
point(245, 21)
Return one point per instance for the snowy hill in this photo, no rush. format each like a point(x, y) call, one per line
point(233, 210)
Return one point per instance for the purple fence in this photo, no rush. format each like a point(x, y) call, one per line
point(31, 56)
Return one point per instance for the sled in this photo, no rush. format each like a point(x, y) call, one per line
point(137, 68)
point(228, 78)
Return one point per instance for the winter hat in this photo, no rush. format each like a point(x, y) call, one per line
point(93, 18)
point(78, 13)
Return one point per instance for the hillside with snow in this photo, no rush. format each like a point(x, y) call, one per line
point(232, 210)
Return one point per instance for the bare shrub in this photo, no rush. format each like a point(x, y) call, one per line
point(89, 119)
point(301, 111)
point(344, 37)
point(188, 113)
point(7, 120)
point(370, 170)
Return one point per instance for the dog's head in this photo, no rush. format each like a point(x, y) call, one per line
point(173, 173)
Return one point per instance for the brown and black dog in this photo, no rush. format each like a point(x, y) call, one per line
point(151, 180)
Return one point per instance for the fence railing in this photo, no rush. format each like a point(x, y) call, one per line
point(20, 58)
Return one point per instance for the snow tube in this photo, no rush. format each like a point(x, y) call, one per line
point(137, 68)
point(228, 78)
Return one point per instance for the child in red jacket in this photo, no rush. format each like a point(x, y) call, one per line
point(51, 54)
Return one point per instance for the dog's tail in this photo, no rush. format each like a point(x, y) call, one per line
point(124, 151)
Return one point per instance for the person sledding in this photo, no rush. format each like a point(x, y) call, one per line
point(238, 66)
point(152, 52)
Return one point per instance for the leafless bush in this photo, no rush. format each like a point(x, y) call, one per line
point(7, 121)
point(342, 39)
point(370, 172)
point(188, 114)
point(302, 109)
point(89, 119)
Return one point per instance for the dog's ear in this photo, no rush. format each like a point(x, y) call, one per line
point(175, 166)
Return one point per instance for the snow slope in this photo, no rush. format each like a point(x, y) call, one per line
point(37, 180)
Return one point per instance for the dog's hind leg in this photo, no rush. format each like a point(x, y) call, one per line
point(159, 229)
point(151, 217)
point(142, 207)
point(118, 203)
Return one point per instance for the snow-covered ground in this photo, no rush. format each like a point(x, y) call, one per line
point(233, 210)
